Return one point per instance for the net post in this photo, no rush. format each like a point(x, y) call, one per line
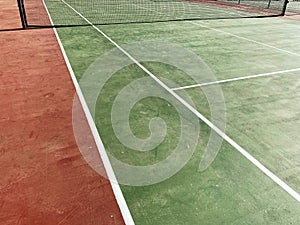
point(22, 13)
point(286, 2)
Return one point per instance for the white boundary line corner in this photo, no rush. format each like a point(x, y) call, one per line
point(236, 79)
point(254, 161)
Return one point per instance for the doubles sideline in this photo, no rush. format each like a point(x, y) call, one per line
point(100, 147)
point(247, 155)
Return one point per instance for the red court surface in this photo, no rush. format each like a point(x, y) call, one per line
point(9, 15)
point(43, 176)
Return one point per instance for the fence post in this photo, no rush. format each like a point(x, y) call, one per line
point(22, 14)
point(286, 2)
point(269, 3)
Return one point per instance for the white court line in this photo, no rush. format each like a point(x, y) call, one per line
point(247, 155)
point(100, 147)
point(201, 24)
point(236, 79)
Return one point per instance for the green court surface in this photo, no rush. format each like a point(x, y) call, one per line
point(262, 116)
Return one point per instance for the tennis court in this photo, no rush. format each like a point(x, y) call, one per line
point(212, 105)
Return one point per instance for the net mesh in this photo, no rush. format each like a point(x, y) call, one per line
point(294, 6)
point(145, 11)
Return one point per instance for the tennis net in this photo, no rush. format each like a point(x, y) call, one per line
point(294, 6)
point(65, 12)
